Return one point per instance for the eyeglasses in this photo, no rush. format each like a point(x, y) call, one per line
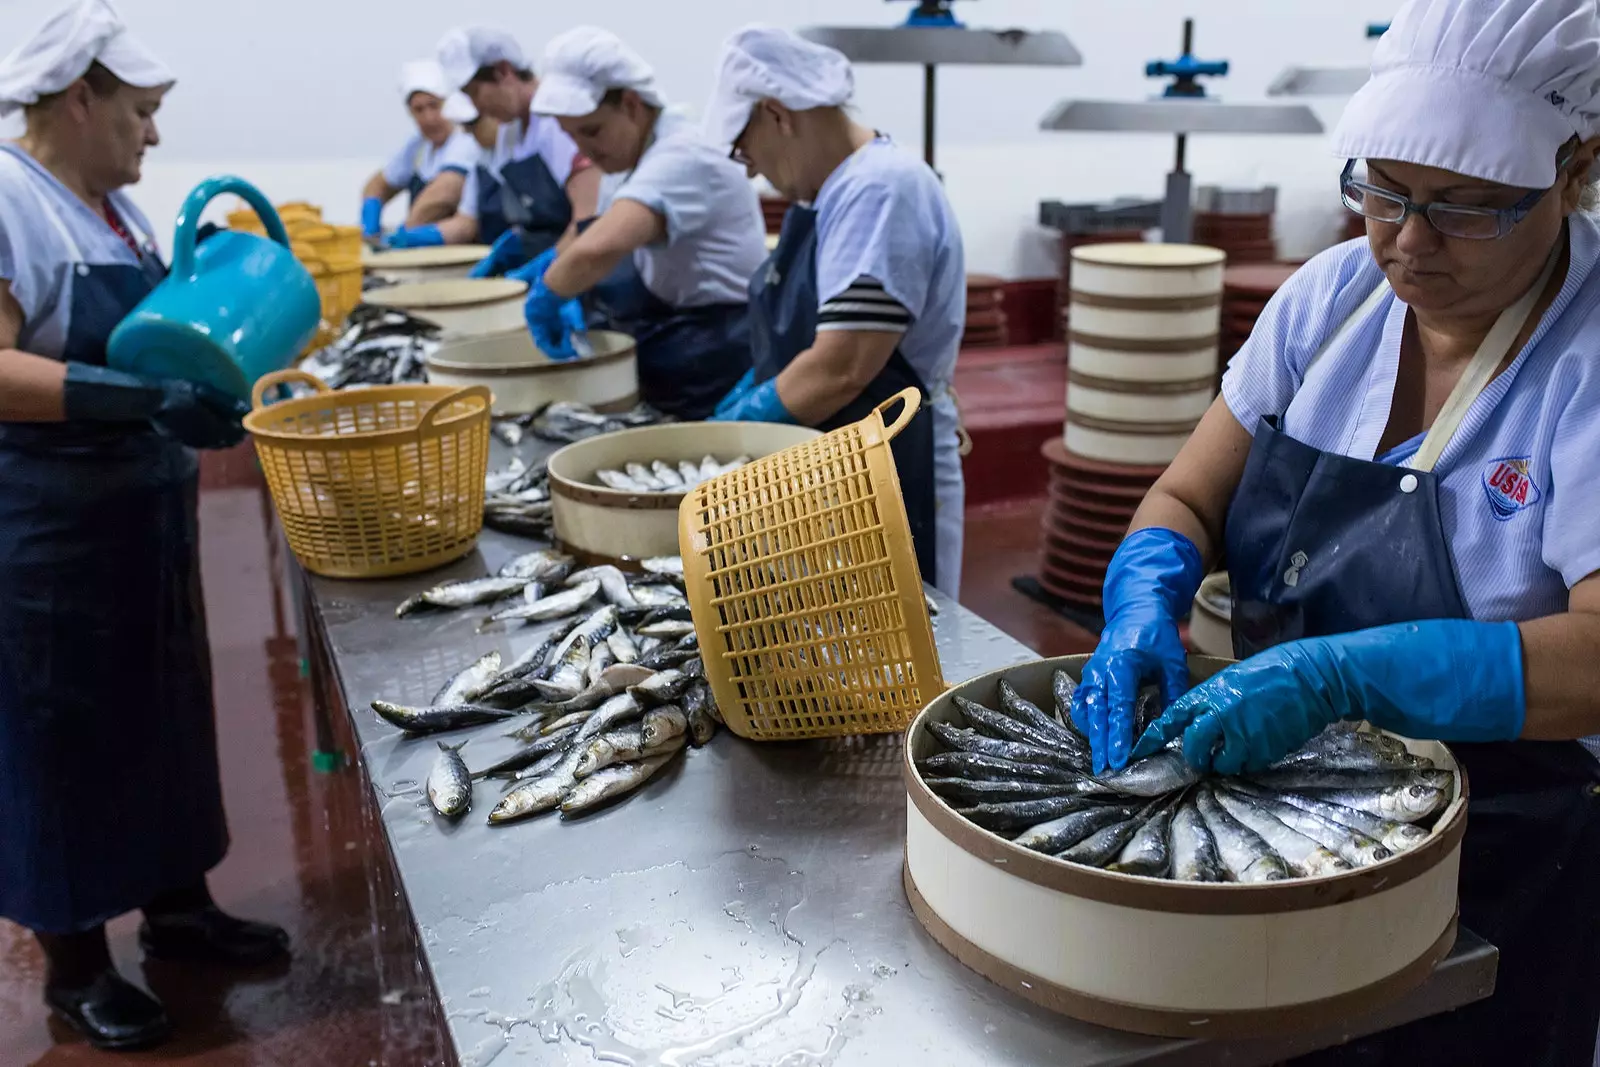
point(1452, 220)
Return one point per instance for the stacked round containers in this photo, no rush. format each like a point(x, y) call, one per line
point(1091, 503)
point(986, 313)
point(1238, 221)
point(1071, 241)
point(1246, 288)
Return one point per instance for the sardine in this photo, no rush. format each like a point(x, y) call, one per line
point(666, 628)
point(709, 467)
point(1245, 856)
point(449, 782)
point(597, 626)
point(1018, 814)
point(1149, 851)
point(667, 476)
point(1194, 850)
point(979, 765)
point(1353, 846)
point(434, 719)
point(544, 564)
point(1401, 803)
point(702, 727)
point(623, 647)
point(1165, 772)
point(1304, 855)
point(1394, 835)
point(1104, 845)
point(698, 701)
point(541, 794)
point(993, 723)
point(614, 781)
point(621, 745)
point(643, 475)
point(690, 473)
point(613, 586)
point(664, 597)
point(531, 660)
point(664, 657)
point(620, 482)
point(469, 683)
point(615, 679)
point(1300, 777)
point(733, 464)
point(663, 687)
point(526, 756)
point(663, 724)
point(1062, 687)
point(600, 657)
point(617, 710)
point(498, 481)
point(1146, 709)
point(1061, 833)
point(555, 606)
point(962, 739)
point(1354, 751)
point(543, 766)
point(663, 565)
point(1013, 704)
point(461, 594)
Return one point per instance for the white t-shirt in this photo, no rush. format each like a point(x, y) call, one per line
point(715, 235)
point(420, 158)
point(1518, 497)
point(540, 136)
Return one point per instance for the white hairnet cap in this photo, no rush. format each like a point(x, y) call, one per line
point(766, 63)
point(582, 65)
point(423, 76)
point(458, 109)
point(465, 49)
point(61, 51)
point(1486, 88)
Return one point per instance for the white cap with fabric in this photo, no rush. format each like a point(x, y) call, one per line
point(466, 49)
point(1486, 88)
point(423, 76)
point(767, 63)
point(458, 109)
point(582, 65)
point(61, 52)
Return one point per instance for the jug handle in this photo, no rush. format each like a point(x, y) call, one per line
point(194, 205)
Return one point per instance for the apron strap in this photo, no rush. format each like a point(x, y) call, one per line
point(1482, 369)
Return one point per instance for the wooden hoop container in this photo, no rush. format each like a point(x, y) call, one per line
point(465, 307)
point(523, 379)
point(409, 266)
point(1168, 958)
point(603, 525)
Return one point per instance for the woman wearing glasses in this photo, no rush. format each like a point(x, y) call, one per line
point(1401, 475)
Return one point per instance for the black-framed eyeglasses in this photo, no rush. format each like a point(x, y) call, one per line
point(1452, 220)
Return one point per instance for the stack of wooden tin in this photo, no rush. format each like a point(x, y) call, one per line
point(1238, 221)
point(773, 209)
point(986, 312)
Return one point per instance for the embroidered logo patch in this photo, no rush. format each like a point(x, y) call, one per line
point(1509, 486)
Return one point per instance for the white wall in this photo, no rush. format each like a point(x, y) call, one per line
point(299, 95)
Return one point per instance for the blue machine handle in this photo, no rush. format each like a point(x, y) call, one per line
point(1186, 68)
point(933, 13)
point(184, 240)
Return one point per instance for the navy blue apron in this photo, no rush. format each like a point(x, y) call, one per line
point(1320, 544)
point(535, 203)
point(783, 324)
point(491, 207)
point(689, 358)
point(108, 757)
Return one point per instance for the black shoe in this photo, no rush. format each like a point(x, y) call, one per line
point(213, 936)
point(111, 1012)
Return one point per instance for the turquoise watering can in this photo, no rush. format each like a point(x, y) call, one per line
point(231, 310)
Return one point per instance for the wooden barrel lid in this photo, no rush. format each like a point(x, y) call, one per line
point(455, 293)
point(421, 258)
point(1144, 255)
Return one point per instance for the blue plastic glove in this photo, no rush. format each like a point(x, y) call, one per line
point(1149, 586)
point(371, 217)
point(197, 414)
point(552, 318)
point(533, 270)
point(504, 254)
point(1440, 680)
point(760, 404)
point(740, 388)
point(421, 237)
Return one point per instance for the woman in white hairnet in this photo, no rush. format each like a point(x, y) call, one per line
point(108, 762)
point(865, 294)
point(1400, 474)
point(545, 183)
point(438, 157)
point(669, 258)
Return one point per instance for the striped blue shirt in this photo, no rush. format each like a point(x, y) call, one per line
point(1519, 495)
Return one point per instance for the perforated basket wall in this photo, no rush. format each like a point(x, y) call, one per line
point(372, 483)
point(805, 592)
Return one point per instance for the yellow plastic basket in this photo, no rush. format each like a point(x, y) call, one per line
point(371, 483)
point(804, 588)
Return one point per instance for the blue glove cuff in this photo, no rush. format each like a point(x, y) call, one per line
point(371, 216)
point(1155, 562)
point(1447, 679)
point(760, 404)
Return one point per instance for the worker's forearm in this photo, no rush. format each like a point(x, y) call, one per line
point(459, 230)
point(815, 387)
point(438, 201)
point(30, 387)
point(583, 193)
point(578, 268)
point(377, 187)
point(1166, 510)
point(1561, 669)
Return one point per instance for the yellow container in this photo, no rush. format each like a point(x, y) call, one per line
point(804, 588)
point(299, 211)
point(373, 483)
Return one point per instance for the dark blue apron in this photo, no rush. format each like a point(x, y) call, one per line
point(492, 220)
point(108, 757)
point(1321, 544)
point(535, 203)
point(689, 358)
point(783, 324)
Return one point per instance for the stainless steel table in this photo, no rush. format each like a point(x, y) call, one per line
point(744, 908)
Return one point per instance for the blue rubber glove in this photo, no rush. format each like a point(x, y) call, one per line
point(196, 414)
point(1440, 680)
point(552, 318)
point(533, 270)
point(421, 237)
point(505, 253)
point(760, 404)
point(371, 217)
point(740, 388)
point(1149, 586)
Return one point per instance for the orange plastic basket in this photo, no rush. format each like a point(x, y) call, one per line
point(372, 483)
point(804, 588)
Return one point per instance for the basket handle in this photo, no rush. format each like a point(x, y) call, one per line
point(267, 382)
point(912, 397)
point(425, 424)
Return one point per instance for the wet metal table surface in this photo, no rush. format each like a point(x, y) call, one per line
point(745, 907)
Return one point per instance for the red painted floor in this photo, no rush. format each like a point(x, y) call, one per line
point(302, 840)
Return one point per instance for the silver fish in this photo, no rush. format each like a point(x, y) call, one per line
point(980, 765)
point(709, 467)
point(460, 594)
point(620, 482)
point(1021, 813)
point(597, 626)
point(622, 745)
point(433, 719)
point(702, 727)
point(667, 628)
point(1305, 856)
point(1149, 851)
point(641, 474)
point(994, 791)
point(615, 679)
point(614, 781)
point(541, 794)
point(1062, 687)
point(526, 756)
point(733, 464)
point(623, 647)
point(543, 564)
point(962, 739)
point(622, 708)
point(546, 763)
point(1301, 777)
point(663, 565)
point(658, 596)
point(690, 473)
point(663, 724)
point(1165, 772)
point(667, 476)
point(1061, 833)
point(551, 607)
point(1394, 835)
point(1401, 803)
point(449, 782)
point(1104, 845)
point(600, 657)
point(1245, 856)
point(663, 687)
point(469, 683)
point(570, 673)
point(498, 481)
point(1351, 845)
point(994, 724)
point(1194, 850)
point(1358, 751)
point(612, 584)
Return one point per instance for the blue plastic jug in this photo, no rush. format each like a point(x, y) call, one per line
point(231, 310)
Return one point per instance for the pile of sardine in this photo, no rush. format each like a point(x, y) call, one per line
point(516, 499)
point(610, 698)
point(565, 421)
point(382, 346)
point(1350, 798)
point(659, 476)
